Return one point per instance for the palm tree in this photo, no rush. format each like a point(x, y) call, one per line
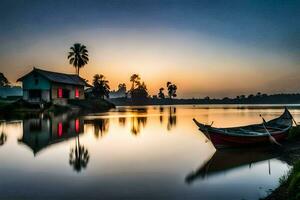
point(79, 156)
point(135, 79)
point(101, 87)
point(78, 56)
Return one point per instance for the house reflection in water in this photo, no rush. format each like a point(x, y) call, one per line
point(40, 133)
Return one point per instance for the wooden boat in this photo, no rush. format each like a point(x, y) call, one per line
point(276, 130)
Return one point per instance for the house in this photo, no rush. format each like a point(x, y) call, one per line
point(46, 86)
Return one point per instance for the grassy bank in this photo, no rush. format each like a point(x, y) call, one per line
point(290, 183)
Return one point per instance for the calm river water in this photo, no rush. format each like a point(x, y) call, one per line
point(148, 152)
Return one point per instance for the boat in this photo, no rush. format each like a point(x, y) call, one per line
point(272, 131)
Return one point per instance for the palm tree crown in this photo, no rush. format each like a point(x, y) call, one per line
point(78, 56)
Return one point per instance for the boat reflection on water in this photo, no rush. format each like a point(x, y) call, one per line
point(226, 160)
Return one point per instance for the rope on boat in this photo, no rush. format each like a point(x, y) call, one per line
point(271, 138)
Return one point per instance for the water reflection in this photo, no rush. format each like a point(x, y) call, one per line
point(122, 121)
point(101, 126)
point(40, 133)
point(226, 160)
point(161, 111)
point(137, 123)
point(172, 118)
point(139, 167)
point(79, 156)
point(3, 138)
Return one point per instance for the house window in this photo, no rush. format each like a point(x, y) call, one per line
point(60, 129)
point(59, 93)
point(36, 81)
point(77, 127)
point(76, 93)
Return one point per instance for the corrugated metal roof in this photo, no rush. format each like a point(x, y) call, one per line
point(57, 77)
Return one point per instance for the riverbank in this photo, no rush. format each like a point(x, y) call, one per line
point(251, 99)
point(21, 109)
point(289, 187)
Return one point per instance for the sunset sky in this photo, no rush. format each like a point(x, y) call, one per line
point(207, 48)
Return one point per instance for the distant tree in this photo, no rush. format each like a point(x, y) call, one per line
point(172, 88)
point(161, 94)
point(140, 92)
point(135, 79)
point(206, 98)
point(3, 80)
point(258, 94)
point(122, 87)
point(78, 56)
point(101, 87)
point(242, 96)
point(250, 96)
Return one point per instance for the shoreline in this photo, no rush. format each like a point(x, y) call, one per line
point(21, 109)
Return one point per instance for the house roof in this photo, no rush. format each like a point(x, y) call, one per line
point(57, 77)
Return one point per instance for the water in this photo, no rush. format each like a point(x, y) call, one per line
point(135, 153)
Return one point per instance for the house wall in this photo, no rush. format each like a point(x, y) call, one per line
point(35, 81)
point(71, 88)
point(45, 96)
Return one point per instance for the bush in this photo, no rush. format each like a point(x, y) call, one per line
point(294, 187)
point(294, 133)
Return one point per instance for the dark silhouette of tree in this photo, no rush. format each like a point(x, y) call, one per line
point(122, 87)
point(135, 79)
point(140, 92)
point(79, 156)
point(161, 94)
point(3, 138)
point(3, 80)
point(172, 88)
point(101, 87)
point(78, 56)
point(242, 97)
point(250, 96)
point(258, 94)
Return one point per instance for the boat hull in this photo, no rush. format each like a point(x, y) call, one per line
point(223, 141)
